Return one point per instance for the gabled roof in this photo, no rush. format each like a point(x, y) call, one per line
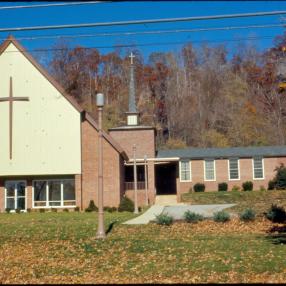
point(61, 90)
point(240, 152)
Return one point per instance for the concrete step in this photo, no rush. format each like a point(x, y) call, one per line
point(166, 200)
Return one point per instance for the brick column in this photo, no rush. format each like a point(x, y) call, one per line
point(151, 181)
point(29, 194)
point(78, 192)
point(2, 196)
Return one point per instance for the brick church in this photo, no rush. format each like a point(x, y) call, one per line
point(49, 158)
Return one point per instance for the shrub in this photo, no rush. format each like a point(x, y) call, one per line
point(66, 210)
point(221, 216)
point(91, 207)
point(247, 186)
point(17, 211)
point(54, 210)
point(76, 209)
point(280, 177)
point(199, 187)
point(247, 215)
point(271, 185)
point(222, 187)
point(192, 217)
point(42, 210)
point(235, 188)
point(7, 210)
point(276, 214)
point(28, 210)
point(164, 219)
point(126, 205)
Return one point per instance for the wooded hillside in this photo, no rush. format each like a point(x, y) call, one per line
point(207, 96)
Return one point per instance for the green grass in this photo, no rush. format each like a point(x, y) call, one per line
point(259, 201)
point(61, 248)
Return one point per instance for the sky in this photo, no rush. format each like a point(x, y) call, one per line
point(138, 10)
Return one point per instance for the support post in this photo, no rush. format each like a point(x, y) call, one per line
point(135, 180)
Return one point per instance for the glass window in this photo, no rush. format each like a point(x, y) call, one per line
point(69, 190)
point(50, 193)
point(258, 172)
point(185, 174)
point(233, 169)
point(209, 170)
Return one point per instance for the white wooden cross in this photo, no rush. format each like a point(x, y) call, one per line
point(132, 56)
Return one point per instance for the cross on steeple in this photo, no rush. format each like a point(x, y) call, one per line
point(132, 56)
point(11, 99)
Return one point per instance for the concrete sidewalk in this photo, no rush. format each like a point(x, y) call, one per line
point(177, 212)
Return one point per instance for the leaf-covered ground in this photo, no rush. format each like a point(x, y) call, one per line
point(61, 248)
point(260, 201)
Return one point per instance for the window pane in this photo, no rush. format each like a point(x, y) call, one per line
point(233, 169)
point(10, 203)
point(10, 189)
point(21, 189)
point(258, 168)
point(185, 170)
point(40, 190)
point(69, 190)
point(51, 204)
point(54, 190)
point(21, 203)
point(209, 169)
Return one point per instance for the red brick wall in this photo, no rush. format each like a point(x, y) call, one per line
point(144, 140)
point(111, 169)
point(246, 174)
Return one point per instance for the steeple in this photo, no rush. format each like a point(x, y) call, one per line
point(132, 114)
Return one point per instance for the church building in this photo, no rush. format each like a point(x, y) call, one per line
point(49, 143)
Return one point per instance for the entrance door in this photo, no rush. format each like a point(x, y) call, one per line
point(15, 194)
point(166, 179)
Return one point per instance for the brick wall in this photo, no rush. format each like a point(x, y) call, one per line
point(112, 169)
point(246, 174)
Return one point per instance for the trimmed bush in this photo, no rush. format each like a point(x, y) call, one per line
point(247, 215)
point(164, 219)
point(247, 186)
point(276, 214)
point(126, 205)
point(199, 187)
point(222, 187)
point(271, 185)
point(17, 211)
point(7, 210)
point(28, 210)
point(110, 209)
point(66, 210)
point(76, 209)
point(54, 210)
point(91, 207)
point(280, 177)
point(42, 210)
point(192, 217)
point(235, 188)
point(221, 216)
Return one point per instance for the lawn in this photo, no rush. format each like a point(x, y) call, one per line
point(260, 201)
point(61, 248)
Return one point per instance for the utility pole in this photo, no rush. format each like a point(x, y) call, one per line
point(146, 180)
point(100, 232)
point(135, 180)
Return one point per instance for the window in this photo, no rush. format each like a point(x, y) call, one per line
point(53, 193)
point(258, 172)
point(185, 171)
point(233, 167)
point(209, 170)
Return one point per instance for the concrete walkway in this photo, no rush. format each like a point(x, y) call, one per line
point(177, 212)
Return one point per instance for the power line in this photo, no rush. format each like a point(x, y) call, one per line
point(143, 45)
point(51, 5)
point(156, 32)
point(149, 21)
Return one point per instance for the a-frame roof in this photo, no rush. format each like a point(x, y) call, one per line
point(71, 100)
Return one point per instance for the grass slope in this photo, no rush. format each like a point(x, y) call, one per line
point(61, 248)
point(260, 201)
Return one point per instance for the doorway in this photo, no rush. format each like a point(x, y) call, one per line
point(166, 175)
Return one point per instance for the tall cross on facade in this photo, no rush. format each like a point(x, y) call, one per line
point(11, 99)
point(132, 56)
